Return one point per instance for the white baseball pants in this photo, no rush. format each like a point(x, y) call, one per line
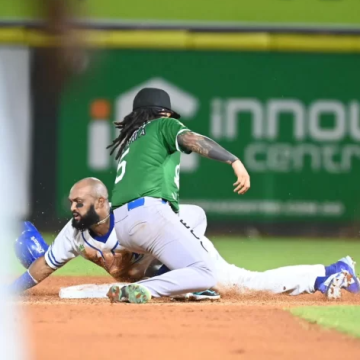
point(154, 228)
point(291, 279)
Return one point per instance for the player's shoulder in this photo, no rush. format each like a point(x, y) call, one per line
point(169, 121)
point(70, 232)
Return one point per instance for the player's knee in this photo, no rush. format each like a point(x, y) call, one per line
point(30, 245)
point(201, 214)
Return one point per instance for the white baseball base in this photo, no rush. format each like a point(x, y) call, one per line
point(87, 291)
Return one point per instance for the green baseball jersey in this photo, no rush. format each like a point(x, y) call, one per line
point(150, 164)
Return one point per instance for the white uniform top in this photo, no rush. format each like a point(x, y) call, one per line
point(71, 243)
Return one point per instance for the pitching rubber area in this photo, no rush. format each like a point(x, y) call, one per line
point(251, 326)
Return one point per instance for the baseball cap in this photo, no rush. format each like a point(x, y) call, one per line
point(154, 98)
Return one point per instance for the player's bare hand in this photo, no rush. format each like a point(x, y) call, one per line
point(116, 264)
point(242, 185)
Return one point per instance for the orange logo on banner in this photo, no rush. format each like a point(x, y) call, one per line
point(100, 109)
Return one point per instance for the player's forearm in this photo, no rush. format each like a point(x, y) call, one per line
point(40, 270)
point(37, 272)
point(205, 147)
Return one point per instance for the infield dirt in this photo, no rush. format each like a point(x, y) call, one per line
point(252, 326)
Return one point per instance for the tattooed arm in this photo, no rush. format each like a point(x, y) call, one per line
point(212, 150)
point(205, 147)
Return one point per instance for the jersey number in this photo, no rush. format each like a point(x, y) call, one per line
point(121, 167)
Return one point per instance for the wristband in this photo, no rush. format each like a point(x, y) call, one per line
point(24, 282)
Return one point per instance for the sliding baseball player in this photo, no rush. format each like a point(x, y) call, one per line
point(90, 234)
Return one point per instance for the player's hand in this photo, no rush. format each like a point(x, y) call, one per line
point(242, 185)
point(117, 264)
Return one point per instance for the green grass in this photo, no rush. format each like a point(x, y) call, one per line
point(342, 318)
point(264, 254)
point(254, 254)
point(76, 267)
point(258, 11)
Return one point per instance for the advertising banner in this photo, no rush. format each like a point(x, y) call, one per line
point(292, 118)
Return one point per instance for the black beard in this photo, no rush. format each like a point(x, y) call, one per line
point(89, 219)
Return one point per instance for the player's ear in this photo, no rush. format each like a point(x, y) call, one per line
point(100, 202)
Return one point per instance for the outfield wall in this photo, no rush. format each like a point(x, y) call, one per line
point(287, 104)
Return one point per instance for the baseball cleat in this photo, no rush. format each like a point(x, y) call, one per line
point(198, 296)
point(134, 293)
point(332, 286)
point(348, 264)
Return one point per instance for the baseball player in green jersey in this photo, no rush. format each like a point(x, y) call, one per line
point(145, 197)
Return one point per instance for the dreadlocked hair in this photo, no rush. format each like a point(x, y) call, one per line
point(129, 125)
